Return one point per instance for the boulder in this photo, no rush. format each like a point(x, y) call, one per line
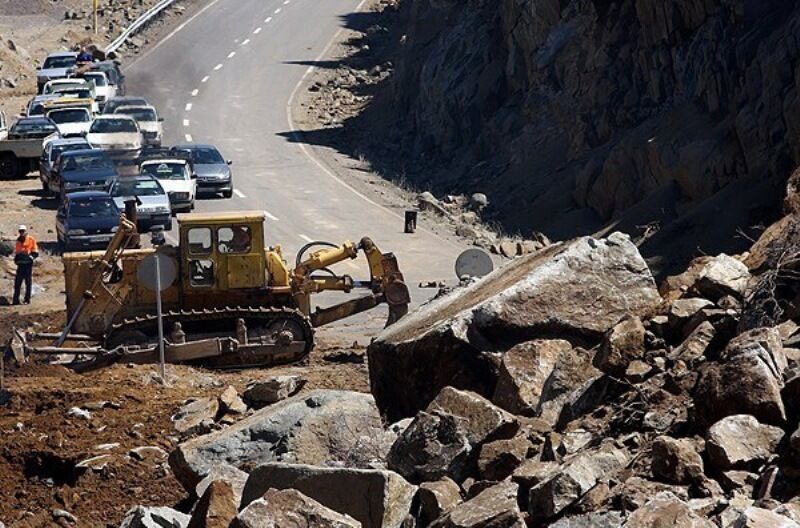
point(621, 345)
point(497, 460)
point(532, 472)
point(231, 403)
point(445, 438)
point(636, 491)
point(570, 385)
point(741, 442)
point(437, 498)
point(577, 290)
point(665, 509)
point(375, 498)
point(753, 517)
point(611, 519)
point(695, 345)
point(321, 427)
point(723, 275)
point(261, 393)
point(235, 477)
point(524, 369)
point(494, 507)
point(748, 381)
point(573, 480)
point(290, 508)
point(150, 517)
point(217, 507)
point(682, 310)
point(676, 460)
point(196, 417)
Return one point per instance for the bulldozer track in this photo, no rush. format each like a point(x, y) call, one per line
point(146, 324)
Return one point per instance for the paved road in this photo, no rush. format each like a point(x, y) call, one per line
point(226, 77)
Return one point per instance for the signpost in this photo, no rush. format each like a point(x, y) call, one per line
point(157, 273)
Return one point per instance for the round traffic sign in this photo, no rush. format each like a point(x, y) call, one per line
point(473, 263)
point(147, 271)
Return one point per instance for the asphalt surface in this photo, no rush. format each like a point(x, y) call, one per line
point(226, 76)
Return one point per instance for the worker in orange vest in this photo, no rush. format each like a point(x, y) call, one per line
point(25, 252)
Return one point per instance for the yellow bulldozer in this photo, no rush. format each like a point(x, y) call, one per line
point(233, 302)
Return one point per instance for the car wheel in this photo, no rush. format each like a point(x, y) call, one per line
point(227, 194)
point(9, 166)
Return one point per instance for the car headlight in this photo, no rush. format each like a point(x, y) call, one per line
point(71, 185)
point(161, 210)
point(115, 229)
point(73, 232)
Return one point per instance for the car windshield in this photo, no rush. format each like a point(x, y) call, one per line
point(166, 171)
point(93, 207)
point(63, 86)
point(137, 188)
point(57, 150)
point(112, 126)
point(87, 162)
point(97, 78)
point(77, 93)
point(28, 128)
point(59, 62)
point(116, 103)
point(139, 114)
point(206, 156)
point(36, 109)
point(69, 116)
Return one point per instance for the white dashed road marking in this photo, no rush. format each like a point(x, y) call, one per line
point(306, 238)
point(188, 138)
point(277, 10)
point(218, 67)
point(186, 122)
point(271, 216)
point(205, 79)
point(195, 92)
point(239, 193)
point(188, 107)
point(268, 20)
point(231, 54)
point(245, 42)
point(257, 30)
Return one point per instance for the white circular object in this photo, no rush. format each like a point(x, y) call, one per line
point(473, 263)
point(147, 271)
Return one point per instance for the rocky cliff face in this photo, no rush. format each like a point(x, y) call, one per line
point(573, 114)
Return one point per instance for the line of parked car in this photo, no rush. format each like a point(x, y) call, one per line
point(97, 148)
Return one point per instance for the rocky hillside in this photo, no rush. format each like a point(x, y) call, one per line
point(573, 115)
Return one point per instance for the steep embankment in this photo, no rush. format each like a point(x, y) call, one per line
point(571, 115)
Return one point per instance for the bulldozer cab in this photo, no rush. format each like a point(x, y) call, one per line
point(222, 252)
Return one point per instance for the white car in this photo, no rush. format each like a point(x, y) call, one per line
point(71, 121)
point(57, 85)
point(176, 178)
point(115, 132)
point(149, 122)
point(102, 89)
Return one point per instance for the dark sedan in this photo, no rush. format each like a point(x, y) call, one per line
point(86, 220)
point(32, 128)
point(213, 172)
point(82, 170)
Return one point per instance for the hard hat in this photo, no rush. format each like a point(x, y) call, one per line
point(22, 227)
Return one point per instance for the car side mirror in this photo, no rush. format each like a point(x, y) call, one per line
point(38, 67)
point(194, 175)
point(160, 119)
point(229, 162)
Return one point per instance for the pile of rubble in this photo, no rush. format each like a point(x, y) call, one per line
point(562, 390)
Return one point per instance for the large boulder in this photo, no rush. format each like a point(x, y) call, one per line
point(723, 275)
point(665, 509)
point(290, 508)
point(260, 393)
point(150, 517)
point(753, 517)
point(524, 370)
point(494, 507)
point(748, 380)
point(321, 427)
point(611, 519)
point(576, 476)
point(577, 290)
point(676, 460)
point(217, 507)
point(444, 439)
point(196, 416)
point(622, 344)
point(375, 498)
point(741, 442)
point(437, 498)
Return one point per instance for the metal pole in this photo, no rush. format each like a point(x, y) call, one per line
point(160, 321)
